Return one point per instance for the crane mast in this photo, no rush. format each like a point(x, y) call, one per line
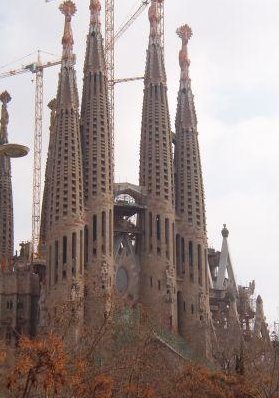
point(37, 162)
point(36, 68)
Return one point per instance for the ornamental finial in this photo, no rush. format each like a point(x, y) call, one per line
point(95, 8)
point(68, 8)
point(52, 104)
point(5, 98)
point(185, 33)
point(154, 18)
point(225, 231)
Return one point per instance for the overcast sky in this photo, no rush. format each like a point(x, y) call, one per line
point(235, 78)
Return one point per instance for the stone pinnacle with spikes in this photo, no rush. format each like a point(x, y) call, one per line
point(68, 8)
point(185, 33)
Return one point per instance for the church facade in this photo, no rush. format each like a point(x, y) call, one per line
point(102, 241)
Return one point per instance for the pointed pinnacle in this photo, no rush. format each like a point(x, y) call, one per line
point(185, 33)
point(5, 97)
point(95, 8)
point(68, 8)
point(52, 104)
point(225, 231)
point(154, 18)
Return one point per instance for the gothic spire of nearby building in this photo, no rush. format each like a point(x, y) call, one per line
point(96, 140)
point(66, 209)
point(6, 195)
point(157, 288)
point(225, 275)
point(191, 238)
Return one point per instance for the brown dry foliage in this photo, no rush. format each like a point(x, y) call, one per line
point(44, 369)
point(109, 363)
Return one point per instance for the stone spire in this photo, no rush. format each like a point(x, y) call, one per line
point(96, 140)
point(260, 326)
point(225, 276)
point(191, 239)
point(48, 173)
point(186, 114)
point(94, 58)
point(157, 288)
point(6, 195)
point(65, 222)
point(189, 184)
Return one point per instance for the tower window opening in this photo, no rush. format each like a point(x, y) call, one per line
point(56, 260)
point(94, 228)
point(205, 268)
point(167, 236)
point(50, 265)
point(173, 246)
point(150, 231)
point(74, 245)
point(200, 264)
point(81, 255)
point(65, 247)
point(110, 232)
point(158, 227)
point(86, 245)
point(183, 255)
point(178, 254)
point(191, 257)
point(103, 224)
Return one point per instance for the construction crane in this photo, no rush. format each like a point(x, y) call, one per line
point(36, 68)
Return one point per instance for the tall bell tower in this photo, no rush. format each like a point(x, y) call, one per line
point(191, 237)
point(157, 257)
point(96, 140)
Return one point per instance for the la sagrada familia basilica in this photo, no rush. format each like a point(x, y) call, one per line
point(101, 241)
